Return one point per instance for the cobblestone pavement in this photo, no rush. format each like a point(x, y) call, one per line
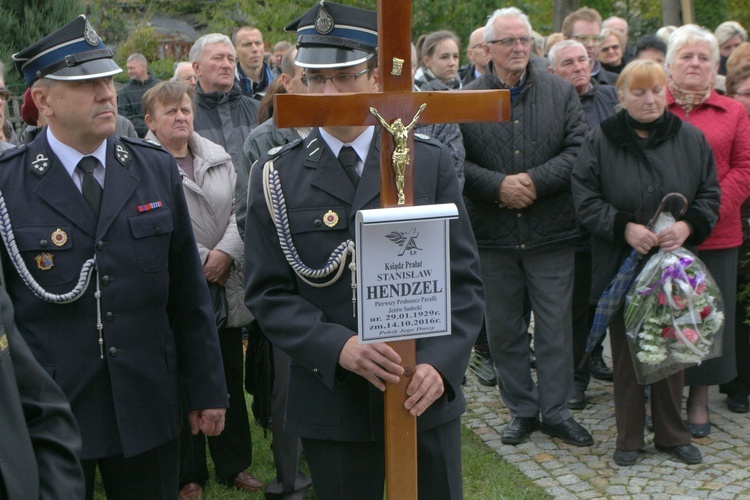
point(566, 471)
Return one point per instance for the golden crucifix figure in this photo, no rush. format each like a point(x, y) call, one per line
point(400, 155)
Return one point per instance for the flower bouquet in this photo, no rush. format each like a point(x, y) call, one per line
point(674, 316)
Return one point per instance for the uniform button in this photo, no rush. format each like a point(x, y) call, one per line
point(650, 189)
point(100, 246)
point(113, 351)
point(315, 370)
point(516, 152)
point(317, 222)
point(157, 230)
point(43, 243)
point(105, 280)
point(516, 122)
point(523, 246)
point(519, 214)
point(109, 316)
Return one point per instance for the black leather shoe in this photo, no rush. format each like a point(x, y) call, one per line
point(626, 458)
point(686, 453)
point(599, 368)
point(482, 366)
point(578, 400)
point(569, 431)
point(519, 429)
point(738, 404)
point(699, 430)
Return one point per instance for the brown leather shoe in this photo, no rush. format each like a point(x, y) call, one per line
point(245, 481)
point(191, 491)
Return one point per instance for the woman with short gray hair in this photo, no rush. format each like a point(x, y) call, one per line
point(692, 62)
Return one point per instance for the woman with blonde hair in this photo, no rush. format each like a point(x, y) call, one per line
point(625, 167)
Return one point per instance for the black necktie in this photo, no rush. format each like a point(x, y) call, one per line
point(92, 191)
point(348, 159)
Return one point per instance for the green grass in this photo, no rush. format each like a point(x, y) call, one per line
point(486, 475)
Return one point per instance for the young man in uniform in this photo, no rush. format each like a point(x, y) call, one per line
point(335, 400)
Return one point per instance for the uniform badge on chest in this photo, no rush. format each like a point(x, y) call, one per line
point(331, 218)
point(44, 261)
point(59, 237)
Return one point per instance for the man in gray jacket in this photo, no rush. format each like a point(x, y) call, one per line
point(222, 114)
point(518, 197)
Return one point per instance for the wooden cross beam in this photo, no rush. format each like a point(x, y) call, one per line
point(396, 99)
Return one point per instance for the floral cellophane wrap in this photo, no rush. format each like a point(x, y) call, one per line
point(674, 313)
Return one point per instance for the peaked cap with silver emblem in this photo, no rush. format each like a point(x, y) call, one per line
point(73, 52)
point(332, 35)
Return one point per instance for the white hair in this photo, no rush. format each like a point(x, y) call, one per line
point(489, 28)
point(552, 56)
point(687, 35)
point(196, 51)
point(613, 18)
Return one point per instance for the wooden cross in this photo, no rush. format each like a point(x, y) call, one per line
point(396, 99)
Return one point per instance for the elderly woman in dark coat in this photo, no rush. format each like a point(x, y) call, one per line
point(624, 169)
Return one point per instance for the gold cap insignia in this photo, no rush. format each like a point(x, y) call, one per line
point(331, 218)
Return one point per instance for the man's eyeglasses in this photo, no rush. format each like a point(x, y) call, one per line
point(611, 47)
point(342, 80)
point(4, 94)
point(584, 39)
point(511, 41)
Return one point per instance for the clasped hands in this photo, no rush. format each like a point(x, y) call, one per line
point(517, 191)
point(642, 239)
point(379, 362)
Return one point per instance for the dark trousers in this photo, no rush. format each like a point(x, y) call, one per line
point(630, 401)
point(740, 385)
point(232, 450)
point(150, 475)
point(346, 470)
point(290, 482)
point(583, 315)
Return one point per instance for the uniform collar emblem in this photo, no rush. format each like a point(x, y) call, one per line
point(41, 164)
point(122, 155)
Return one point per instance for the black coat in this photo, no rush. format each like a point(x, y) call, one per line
point(157, 317)
point(616, 181)
point(542, 139)
point(40, 444)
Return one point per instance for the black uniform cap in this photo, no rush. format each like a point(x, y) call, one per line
point(73, 52)
point(332, 35)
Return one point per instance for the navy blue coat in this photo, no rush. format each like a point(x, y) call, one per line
point(313, 324)
point(158, 321)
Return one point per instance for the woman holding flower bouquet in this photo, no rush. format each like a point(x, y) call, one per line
point(692, 62)
point(624, 169)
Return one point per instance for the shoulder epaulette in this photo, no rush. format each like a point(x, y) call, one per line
point(11, 152)
point(142, 142)
point(274, 153)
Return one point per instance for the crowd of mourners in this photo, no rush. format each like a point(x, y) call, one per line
point(602, 127)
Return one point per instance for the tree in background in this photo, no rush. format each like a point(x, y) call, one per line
point(26, 21)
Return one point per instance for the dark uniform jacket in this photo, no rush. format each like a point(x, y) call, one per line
point(542, 138)
point(40, 444)
point(157, 317)
point(312, 324)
